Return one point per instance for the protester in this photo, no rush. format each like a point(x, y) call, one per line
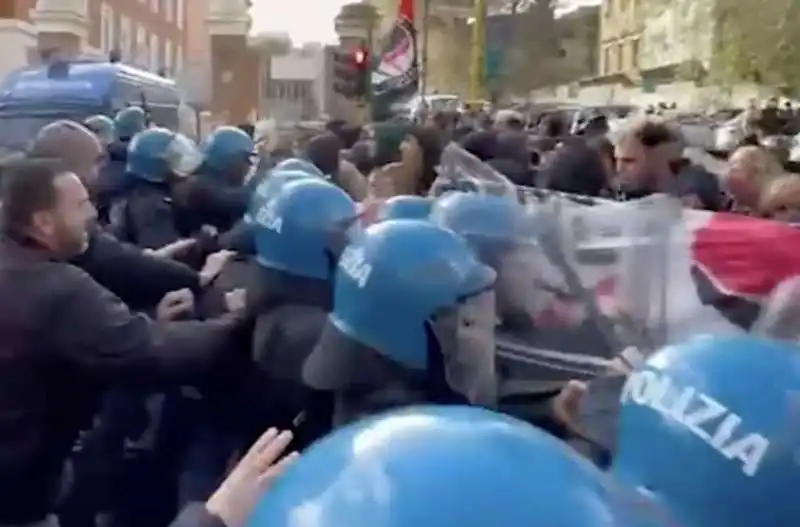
point(750, 171)
point(67, 336)
point(643, 153)
point(137, 278)
point(576, 168)
point(324, 152)
point(420, 152)
point(509, 121)
point(781, 199)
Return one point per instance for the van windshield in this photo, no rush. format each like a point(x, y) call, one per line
point(17, 131)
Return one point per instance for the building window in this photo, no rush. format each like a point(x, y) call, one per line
point(154, 6)
point(620, 57)
point(179, 13)
point(606, 68)
point(155, 62)
point(635, 53)
point(142, 56)
point(169, 10)
point(168, 56)
point(125, 38)
point(107, 42)
point(179, 59)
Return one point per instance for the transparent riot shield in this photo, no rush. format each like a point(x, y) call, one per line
point(459, 170)
point(780, 315)
point(579, 280)
point(597, 283)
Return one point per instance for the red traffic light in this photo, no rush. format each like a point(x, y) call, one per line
point(360, 57)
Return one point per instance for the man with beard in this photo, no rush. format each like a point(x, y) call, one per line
point(138, 278)
point(65, 337)
point(643, 153)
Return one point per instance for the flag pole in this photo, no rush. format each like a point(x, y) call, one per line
point(477, 57)
point(423, 79)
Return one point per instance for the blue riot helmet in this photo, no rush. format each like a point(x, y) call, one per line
point(711, 429)
point(299, 165)
point(302, 230)
point(446, 466)
point(485, 221)
point(158, 155)
point(101, 126)
point(228, 152)
point(128, 122)
point(399, 284)
point(405, 208)
point(270, 187)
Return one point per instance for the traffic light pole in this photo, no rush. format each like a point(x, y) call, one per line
point(478, 52)
point(423, 78)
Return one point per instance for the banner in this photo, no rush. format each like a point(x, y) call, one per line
point(588, 278)
point(396, 75)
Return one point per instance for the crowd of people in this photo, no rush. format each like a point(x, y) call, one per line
point(169, 305)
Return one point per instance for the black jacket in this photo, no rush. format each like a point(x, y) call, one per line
point(139, 279)
point(64, 338)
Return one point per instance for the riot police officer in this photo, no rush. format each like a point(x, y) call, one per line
point(157, 158)
point(111, 184)
point(437, 466)
point(102, 126)
point(413, 322)
point(215, 195)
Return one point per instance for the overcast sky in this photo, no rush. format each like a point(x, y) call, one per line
point(312, 20)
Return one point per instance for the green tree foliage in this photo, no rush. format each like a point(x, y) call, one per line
point(758, 40)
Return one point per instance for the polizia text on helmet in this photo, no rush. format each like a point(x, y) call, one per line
point(702, 415)
point(354, 264)
point(268, 217)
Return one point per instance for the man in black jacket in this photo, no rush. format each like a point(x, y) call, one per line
point(65, 336)
point(138, 278)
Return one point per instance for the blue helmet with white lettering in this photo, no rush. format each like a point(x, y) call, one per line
point(487, 222)
point(157, 154)
point(405, 208)
point(446, 466)
point(711, 429)
point(302, 230)
point(394, 278)
point(295, 164)
point(269, 187)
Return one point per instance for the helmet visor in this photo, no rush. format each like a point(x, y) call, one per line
point(183, 156)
